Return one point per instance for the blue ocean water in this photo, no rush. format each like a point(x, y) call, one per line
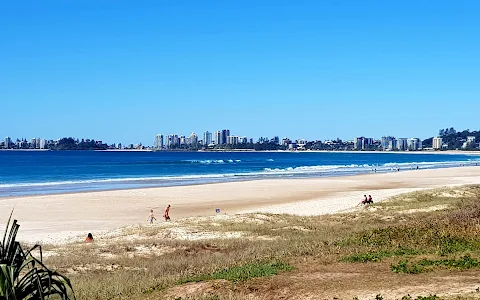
point(45, 172)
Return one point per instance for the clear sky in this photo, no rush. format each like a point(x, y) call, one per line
point(123, 71)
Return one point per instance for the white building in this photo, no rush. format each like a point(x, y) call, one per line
point(158, 142)
point(469, 143)
point(193, 138)
point(43, 143)
point(437, 143)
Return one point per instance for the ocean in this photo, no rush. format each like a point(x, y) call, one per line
point(49, 172)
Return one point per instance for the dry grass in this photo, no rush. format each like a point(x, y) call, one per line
point(326, 252)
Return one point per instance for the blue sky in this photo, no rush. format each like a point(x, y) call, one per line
point(123, 71)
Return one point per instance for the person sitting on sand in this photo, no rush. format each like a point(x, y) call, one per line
point(166, 215)
point(364, 201)
point(151, 217)
point(370, 199)
point(89, 238)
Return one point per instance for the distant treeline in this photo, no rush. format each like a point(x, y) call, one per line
point(455, 139)
point(75, 144)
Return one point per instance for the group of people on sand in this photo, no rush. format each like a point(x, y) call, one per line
point(166, 215)
point(150, 219)
point(366, 200)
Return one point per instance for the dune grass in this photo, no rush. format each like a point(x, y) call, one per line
point(402, 243)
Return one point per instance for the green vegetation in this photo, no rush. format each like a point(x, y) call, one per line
point(243, 273)
point(378, 256)
point(424, 265)
point(73, 144)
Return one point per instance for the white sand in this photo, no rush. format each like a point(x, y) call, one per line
point(57, 218)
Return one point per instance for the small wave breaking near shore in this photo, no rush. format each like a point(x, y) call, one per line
point(242, 170)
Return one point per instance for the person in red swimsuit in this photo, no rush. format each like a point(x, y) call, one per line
point(166, 215)
point(89, 238)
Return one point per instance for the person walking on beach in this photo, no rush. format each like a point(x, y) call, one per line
point(166, 215)
point(151, 217)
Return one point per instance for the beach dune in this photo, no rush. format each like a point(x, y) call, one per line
point(61, 217)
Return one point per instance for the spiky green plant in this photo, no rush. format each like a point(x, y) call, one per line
point(22, 276)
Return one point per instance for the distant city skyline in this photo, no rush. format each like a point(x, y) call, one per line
point(125, 71)
point(224, 140)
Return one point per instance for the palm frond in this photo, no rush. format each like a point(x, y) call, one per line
point(22, 276)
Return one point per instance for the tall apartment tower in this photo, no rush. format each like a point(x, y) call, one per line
point(225, 135)
point(207, 138)
point(218, 137)
point(159, 142)
point(193, 138)
point(402, 144)
point(437, 143)
point(8, 141)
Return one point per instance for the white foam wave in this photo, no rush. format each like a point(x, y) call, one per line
point(214, 161)
point(267, 172)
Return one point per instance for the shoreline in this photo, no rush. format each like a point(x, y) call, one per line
point(23, 189)
point(62, 217)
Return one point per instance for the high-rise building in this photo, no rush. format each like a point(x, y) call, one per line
point(8, 141)
point(159, 142)
point(183, 140)
point(193, 138)
point(362, 143)
point(414, 144)
point(437, 143)
point(37, 143)
point(393, 144)
point(388, 143)
point(173, 141)
point(42, 144)
point(225, 135)
point(402, 144)
point(358, 142)
point(207, 138)
point(232, 140)
point(218, 137)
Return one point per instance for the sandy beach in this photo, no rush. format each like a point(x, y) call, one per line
point(61, 217)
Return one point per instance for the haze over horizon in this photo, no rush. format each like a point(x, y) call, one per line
point(122, 72)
